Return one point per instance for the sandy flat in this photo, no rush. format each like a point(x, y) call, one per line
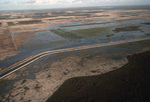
point(48, 81)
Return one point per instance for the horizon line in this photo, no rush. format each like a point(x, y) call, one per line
point(28, 9)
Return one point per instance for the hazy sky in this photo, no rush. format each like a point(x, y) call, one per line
point(41, 4)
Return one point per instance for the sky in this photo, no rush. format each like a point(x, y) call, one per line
point(47, 4)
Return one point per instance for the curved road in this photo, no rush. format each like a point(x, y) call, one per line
point(13, 68)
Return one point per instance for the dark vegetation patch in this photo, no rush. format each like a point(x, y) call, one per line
point(30, 22)
point(26, 88)
point(57, 42)
point(135, 46)
point(146, 23)
point(41, 13)
point(40, 16)
point(123, 16)
point(120, 20)
point(23, 81)
point(59, 19)
point(93, 31)
point(102, 16)
point(148, 34)
point(75, 14)
point(95, 71)
point(89, 12)
point(81, 14)
point(109, 35)
point(3, 82)
point(63, 13)
point(130, 83)
point(85, 24)
point(10, 23)
point(66, 34)
point(9, 17)
point(2, 17)
point(129, 13)
point(49, 76)
point(19, 17)
point(37, 87)
point(0, 24)
point(144, 43)
point(129, 28)
point(54, 43)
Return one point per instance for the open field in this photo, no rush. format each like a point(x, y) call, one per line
point(30, 22)
point(66, 34)
point(94, 31)
point(101, 31)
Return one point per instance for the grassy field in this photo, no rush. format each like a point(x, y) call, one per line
point(66, 34)
point(145, 43)
point(56, 43)
point(132, 46)
point(105, 30)
point(30, 22)
point(10, 23)
point(85, 24)
point(2, 17)
point(93, 31)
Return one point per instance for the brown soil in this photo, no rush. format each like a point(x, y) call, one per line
point(21, 38)
point(6, 44)
point(6, 40)
point(8, 54)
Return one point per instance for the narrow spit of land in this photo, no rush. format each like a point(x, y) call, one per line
point(21, 64)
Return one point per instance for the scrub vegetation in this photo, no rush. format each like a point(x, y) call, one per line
point(93, 31)
point(30, 22)
point(66, 34)
point(10, 23)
